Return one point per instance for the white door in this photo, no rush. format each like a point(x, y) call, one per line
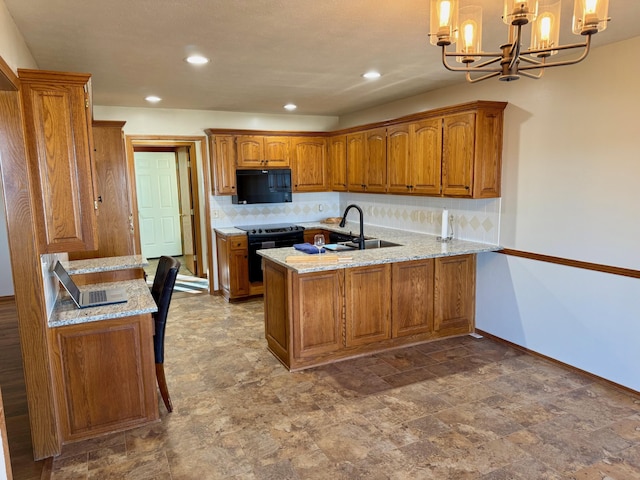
point(158, 208)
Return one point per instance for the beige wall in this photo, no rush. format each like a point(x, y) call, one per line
point(570, 157)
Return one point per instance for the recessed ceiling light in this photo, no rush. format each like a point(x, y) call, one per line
point(152, 99)
point(197, 60)
point(371, 75)
point(290, 106)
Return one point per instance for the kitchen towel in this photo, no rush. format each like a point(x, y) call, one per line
point(307, 248)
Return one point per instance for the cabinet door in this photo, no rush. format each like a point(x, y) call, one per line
point(398, 159)
point(458, 149)
point(223, 149)
point(375, 154)
point(114, 216)
point(276, 151)
point(454, 297)
point(56, 115)
point(309, 164)
point(232, 253)
point(356, 173)
point(276, 310)
point(488, 153)
point(317, 316)
point(105, 371)
point(250, 151)
point(412, 298)
point(338, 163)
point(426, 156)
point(367, 302)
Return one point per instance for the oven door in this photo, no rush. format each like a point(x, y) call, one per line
point(262, 242)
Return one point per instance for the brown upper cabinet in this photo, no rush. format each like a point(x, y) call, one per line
point(222, 149)
point(59, 141)
point(452, 151)
point(337, 152)
point(367, 161)
point(309, 164)
point(259, 151)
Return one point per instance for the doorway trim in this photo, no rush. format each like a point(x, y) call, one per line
point(133, 142)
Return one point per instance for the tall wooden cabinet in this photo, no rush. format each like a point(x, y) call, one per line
point(57, 117)
point(114, 216)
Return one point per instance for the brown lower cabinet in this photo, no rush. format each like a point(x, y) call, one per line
point(104, 375)
point(233, 267)
point(320, 317)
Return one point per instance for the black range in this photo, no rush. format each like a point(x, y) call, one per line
point(260, 237)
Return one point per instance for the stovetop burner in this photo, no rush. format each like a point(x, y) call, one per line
point(272, 228)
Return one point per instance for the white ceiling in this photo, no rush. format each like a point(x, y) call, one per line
point(264, 53)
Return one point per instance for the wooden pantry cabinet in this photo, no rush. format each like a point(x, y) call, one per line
point(59, 144)
point(324, 316)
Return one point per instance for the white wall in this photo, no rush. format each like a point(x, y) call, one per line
point(15, 53)
point(570, 172)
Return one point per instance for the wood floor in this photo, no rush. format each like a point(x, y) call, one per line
point(14, 396)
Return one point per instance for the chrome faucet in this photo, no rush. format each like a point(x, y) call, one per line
point(344, 220)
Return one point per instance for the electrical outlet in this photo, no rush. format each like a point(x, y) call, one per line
point(215, 213)
point(320, 207)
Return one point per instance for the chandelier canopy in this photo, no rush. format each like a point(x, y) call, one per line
point(451, 24)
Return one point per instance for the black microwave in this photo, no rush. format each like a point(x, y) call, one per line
point(263, 186)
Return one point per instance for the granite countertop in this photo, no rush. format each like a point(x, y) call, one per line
point(414, 246)
point(139, 302)
point(104, 264)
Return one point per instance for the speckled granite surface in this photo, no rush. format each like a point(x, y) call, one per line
point(139, 301)
point(105, 264)
point(414, 246)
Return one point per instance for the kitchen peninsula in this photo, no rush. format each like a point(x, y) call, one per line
point(317, 313)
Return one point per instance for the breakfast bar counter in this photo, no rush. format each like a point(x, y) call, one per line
point(360, 302)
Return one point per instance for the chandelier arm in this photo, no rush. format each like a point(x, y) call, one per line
point(570, 46)
point(477, 68)
point(479, 79)
point(531, 75)
point(563, 62)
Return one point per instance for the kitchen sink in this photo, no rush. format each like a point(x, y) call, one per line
point(371, 243)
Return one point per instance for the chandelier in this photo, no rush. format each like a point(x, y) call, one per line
point(450, 24)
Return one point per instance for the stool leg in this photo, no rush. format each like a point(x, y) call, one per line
point(162, 384)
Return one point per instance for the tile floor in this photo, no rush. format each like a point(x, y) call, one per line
point(461, 408)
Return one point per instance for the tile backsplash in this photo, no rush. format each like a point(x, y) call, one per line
point(475, 220)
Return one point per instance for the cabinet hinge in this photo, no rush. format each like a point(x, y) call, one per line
point(86, 103)
point(95, 204)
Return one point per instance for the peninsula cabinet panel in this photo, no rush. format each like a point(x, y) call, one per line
point(337, 151)
point(57, 118)
point(367, 304)
point(412, 298)
point(318, 300)
point(309, 164)
point(223, 150)
point(276, 311)
point(454, 295)
point(105, 376)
